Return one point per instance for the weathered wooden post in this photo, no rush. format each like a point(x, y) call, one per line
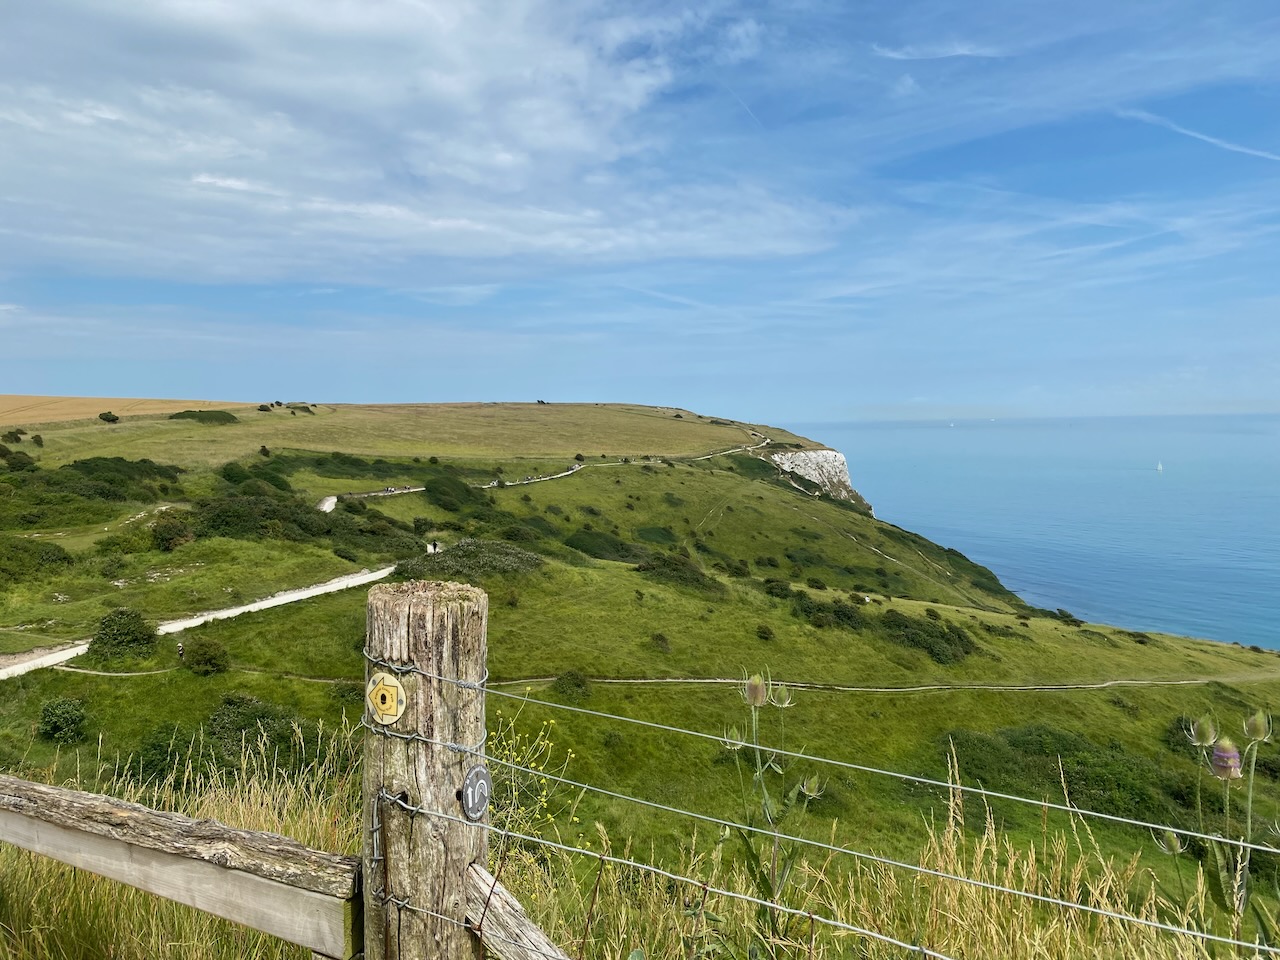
point(424, 708)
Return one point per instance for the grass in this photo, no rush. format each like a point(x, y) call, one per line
point(596, 908)
point(198, 576)
point(20, 410)
point(776, 561)
point(497, 431)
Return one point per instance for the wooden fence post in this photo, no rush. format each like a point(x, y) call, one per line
point(423, 641)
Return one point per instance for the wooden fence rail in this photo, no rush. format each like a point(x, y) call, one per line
point(425, 890)
point(261, 880)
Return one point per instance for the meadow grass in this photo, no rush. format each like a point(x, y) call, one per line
point(602, 619)
point(19, 410)
point(496, 431)
point(594, 909)
point(206, 574)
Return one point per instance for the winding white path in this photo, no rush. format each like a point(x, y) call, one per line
point(45, 658)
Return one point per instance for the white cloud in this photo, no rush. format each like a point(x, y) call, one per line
point(278, 139)
point(1156, 121)
point(940, 51)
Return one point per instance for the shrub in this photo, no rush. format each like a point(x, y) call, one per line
point(777, 588)
point(211, 417)
point(13, 436)
point(450, 493)
point(571, 686)
point(234, 473)
point(605, 546)
point(263, 451)
point(470, 560)
point(764, 632)
point(346, 553)
point(944, 643)
point(680, 571)
point(37, 440)
point(204, 656)
point(813, 583)
point(108, 417)
point(264, 407)
point(663, 535)
point(123, 633)
point(62, 720)
point(579, 457)
point(171, 530)
point(661, 643)
point(22, 559)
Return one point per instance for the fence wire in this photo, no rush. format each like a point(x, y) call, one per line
point(419, 811)
point(733, 744)
point(830, 848)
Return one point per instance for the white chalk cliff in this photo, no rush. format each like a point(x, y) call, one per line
point(827, 468)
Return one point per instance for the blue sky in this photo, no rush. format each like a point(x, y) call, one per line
point(790, 211)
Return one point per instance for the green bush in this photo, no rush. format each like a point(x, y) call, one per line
point(62, 720)
point(211, 417)
point(943, 642)
point(469, 560)
point(171, 530)
point(605, 546)
point(450, 493)
point(204, 656)
point(662, 535)
point(571, 687)
point(123, 633)
point(679, 571)
point(22, 559)
point(108, 417)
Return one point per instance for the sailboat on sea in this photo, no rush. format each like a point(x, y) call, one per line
point(1159, 466)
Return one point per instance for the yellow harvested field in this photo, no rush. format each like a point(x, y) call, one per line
point(20, 410)
point(70, 430)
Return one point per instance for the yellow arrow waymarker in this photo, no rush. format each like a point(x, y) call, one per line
point(385, 697)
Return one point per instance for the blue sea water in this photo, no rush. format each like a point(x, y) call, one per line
point(1074, 513)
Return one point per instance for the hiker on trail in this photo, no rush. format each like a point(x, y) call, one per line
point(180, 654)
point(435, 546)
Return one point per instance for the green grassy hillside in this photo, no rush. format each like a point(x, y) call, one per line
point(645, 583)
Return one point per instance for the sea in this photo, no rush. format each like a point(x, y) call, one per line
point(1163, 523)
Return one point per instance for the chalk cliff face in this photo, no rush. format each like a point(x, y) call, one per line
point(827, 468)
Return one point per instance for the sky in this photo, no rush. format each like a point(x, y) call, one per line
point(771, 211)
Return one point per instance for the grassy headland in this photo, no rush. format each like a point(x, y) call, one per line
point(646, 583)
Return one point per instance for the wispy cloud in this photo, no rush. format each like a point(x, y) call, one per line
point(940, 51)
point(1157, 121)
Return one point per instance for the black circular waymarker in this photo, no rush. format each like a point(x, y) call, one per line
point(477, 788)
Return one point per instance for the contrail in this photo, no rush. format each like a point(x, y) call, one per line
point(1156, 121)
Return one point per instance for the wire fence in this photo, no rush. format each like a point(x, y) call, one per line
point(774, 835)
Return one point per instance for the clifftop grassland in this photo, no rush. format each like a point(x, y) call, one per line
point(662, 564)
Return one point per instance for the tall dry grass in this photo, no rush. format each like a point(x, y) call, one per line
point(631, 910)
point(51, 912)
